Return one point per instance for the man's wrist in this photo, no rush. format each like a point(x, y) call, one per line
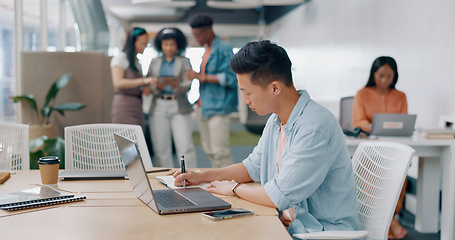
point(234, 189)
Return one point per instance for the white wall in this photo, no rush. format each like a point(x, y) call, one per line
point(332, 44)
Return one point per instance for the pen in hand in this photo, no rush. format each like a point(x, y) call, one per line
point(182, 166)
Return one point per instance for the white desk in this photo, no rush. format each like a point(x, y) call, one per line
point(432, 154)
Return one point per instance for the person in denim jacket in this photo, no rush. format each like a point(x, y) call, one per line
point(218, 91)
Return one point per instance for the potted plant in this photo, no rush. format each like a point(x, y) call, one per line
point(43, 125)
point(42, 132)
point(45, 146)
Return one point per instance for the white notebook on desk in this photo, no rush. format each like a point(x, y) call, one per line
point(169, 181)
point(35, 197)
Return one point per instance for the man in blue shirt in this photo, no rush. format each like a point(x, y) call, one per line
point(301, 160)
point(218, 91)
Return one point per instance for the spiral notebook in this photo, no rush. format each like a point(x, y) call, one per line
point(35, 197)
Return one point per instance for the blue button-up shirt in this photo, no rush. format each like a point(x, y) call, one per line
point(222, 98)
point(316, 174)
point(167, 70)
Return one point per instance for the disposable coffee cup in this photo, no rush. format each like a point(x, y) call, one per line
point(48, 167)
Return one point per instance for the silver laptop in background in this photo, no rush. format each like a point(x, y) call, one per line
point(92, 174)
point(393, 125)
point(167, 201)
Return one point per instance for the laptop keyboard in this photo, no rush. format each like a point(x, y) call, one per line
point(172, 199)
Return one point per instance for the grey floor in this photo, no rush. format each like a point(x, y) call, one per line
point(407, 220)
point(241, 152)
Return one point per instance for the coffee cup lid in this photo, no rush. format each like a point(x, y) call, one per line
point(49, 160)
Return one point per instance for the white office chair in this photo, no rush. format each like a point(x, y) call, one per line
point(14, 150)
point(92, 146)
point(346, 113)
point(380, 169)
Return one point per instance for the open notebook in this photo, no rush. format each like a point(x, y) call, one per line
point(169, 180)
point(35, 197)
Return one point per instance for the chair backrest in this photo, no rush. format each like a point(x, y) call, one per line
point(92, 146)
point(14, 147)
point(346, 113)
point(380, 169)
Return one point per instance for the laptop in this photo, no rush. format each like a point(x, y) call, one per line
point(167, 201)
point(102, 174)
point(394, 125)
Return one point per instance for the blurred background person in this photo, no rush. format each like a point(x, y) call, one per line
point(170, 109)
point(380, 96)
point(218, 91)
point(128, 81)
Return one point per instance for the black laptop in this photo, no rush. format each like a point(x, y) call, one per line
point(167, 201)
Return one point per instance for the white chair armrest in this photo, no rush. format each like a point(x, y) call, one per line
point(332, 235)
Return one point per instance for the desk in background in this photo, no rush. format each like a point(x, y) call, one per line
point(433, 154)
point(112, 211)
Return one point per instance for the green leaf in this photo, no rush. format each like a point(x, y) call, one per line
point(55, 147)
point(34, 157)
point(55, 88)
point(69, 107)
point(44, 146)
point(61, 112)
point(37, 142)
point(46, 111)
point(26, 98)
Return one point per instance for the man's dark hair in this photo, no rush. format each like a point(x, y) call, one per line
point(200, 21)
point(265, 61)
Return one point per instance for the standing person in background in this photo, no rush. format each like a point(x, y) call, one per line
point(218, 91)
point(128, 81)
point(170, 110)
point(380, 96)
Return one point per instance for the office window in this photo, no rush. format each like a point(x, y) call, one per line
point(31, 25)
point(53, 15)
point(7, 60)
point(31, 42)
point(71, 30)
point(54, 24)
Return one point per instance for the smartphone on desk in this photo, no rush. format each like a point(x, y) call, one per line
point(230, 213)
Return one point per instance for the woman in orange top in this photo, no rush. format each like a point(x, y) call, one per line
point(380, 96)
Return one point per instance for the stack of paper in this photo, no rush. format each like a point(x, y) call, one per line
point(441, 133)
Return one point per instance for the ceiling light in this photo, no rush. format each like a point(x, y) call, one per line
point(165, 3)
point(231, 4)
point(132, 12)
point(270, 2)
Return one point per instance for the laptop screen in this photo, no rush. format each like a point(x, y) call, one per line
point(390, 124)
point(135, 170)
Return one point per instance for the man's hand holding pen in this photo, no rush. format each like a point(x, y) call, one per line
point(191, 177)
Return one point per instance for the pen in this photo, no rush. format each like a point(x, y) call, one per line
point(182, 166)
point(158, 170)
